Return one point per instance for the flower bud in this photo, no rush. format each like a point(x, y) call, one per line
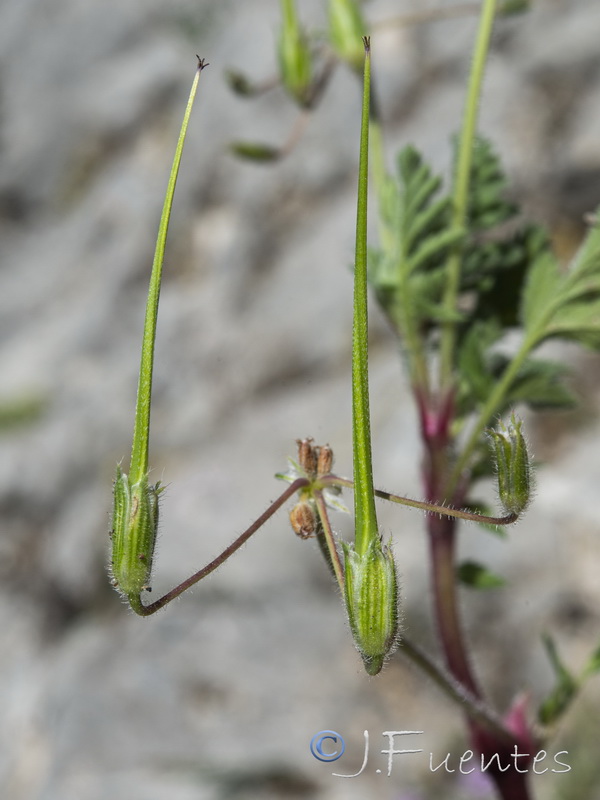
point(371, 593)
point(304, 519)
point(513, 466)
point(294, 55)
point(135, 522)
point(346, 29)
point(307, 456)
point(325, 460)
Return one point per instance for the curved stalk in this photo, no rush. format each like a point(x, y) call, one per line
point(145, 611)
point(430, 508)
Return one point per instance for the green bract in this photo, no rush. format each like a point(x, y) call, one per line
point(371, 594)
point(294, 55)
point(346, 29)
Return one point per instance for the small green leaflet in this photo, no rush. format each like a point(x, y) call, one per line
point(565, 688)
point(565, 303)
point(476, 576)
point(256, 151)
point(593, 665)
point(567, 685)
point(539, 383)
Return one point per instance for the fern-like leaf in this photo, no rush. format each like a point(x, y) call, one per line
point(416, 238)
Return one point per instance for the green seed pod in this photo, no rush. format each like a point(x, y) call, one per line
point(135, 522)
point(371, 594)
point(295, 62)
point(513, 466)
point(346, 30)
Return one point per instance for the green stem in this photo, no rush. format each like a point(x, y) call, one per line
point(461, 184)
point(138, 467)
point(474, 707)
point(430, 15)
point(336, 563)
point(490, 408)
point(364, 498)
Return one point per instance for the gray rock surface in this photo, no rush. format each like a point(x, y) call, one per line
point(219, 695)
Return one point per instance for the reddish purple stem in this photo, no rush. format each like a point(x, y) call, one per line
point(146, 611)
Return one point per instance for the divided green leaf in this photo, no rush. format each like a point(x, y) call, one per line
point(499, 246)
point(416, 238)
point(565, 303)
point(539, 383)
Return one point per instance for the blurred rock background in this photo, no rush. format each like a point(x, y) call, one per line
point(218, 696)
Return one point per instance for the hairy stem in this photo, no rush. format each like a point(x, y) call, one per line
point(432, 508)
point(473, 706)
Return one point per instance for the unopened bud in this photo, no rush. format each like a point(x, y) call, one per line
point(371, 593)
point(325, 460)
point(303, 519)
point(513, 466)
point(294, 55)
point(346, 29)
point(307, 456)
point(135, 522)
